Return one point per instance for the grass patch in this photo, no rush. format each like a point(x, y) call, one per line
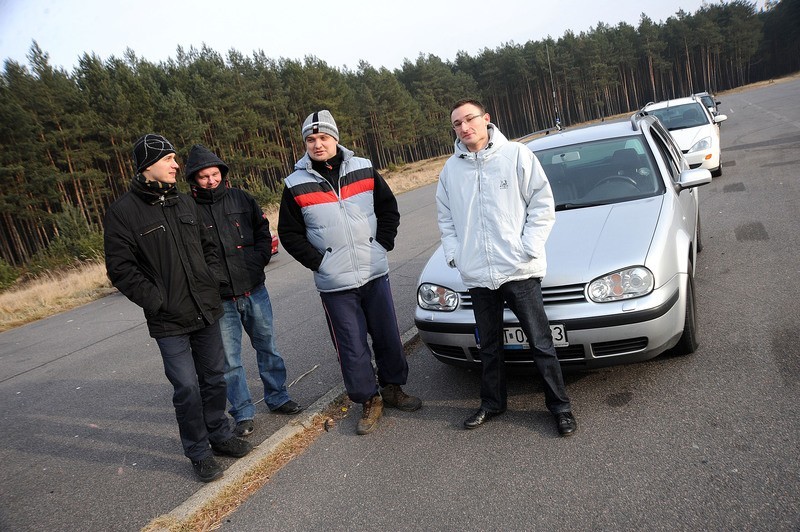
point(51, 293)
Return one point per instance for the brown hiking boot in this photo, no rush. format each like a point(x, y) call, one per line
point(373, 410)
point(395, 397)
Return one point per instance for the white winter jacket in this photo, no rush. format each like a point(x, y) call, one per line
point(495, 211)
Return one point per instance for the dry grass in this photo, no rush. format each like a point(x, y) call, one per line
point(210, 515)
point(52, 293)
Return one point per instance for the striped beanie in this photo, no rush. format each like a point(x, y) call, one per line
point(320, 122)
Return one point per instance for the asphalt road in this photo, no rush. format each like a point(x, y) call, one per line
point(706, 442)
point(709, 441)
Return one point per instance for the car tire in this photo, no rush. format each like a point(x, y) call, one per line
point(688, 341)
point(718, 171)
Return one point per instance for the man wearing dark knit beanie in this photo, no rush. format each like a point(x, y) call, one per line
point(160, 256)
point(339, 218)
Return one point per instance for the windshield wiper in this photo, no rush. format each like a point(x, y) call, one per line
point(568, 206)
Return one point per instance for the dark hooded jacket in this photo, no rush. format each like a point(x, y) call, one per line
point(160, 256)
point(237, 222)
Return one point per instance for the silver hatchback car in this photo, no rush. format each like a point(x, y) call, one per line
point(620, 258)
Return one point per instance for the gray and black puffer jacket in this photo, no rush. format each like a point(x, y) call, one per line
point(339, 218)
point(239, 226)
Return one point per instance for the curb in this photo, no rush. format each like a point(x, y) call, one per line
point(242, 466)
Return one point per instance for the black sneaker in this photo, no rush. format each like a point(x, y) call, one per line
point(289, 408)
point(233, 446)
point(244, 428)
point(207, 469)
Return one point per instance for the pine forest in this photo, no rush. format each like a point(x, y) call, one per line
point(66, 137)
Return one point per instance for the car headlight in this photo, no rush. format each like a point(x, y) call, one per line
point(700, 145)
point(624, 284)
point(435, 297)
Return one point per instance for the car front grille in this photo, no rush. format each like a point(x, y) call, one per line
point(571, 353)
point(554, 295)
point(619, 347)
point(451, 351)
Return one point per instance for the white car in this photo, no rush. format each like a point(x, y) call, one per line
point(620, 258)
point(710, 101)
point(694, 129)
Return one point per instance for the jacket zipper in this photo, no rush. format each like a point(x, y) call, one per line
point(153, 229)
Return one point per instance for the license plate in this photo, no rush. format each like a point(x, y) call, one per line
point(515, 337)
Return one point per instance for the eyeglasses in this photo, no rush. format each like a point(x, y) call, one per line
point(467, 119)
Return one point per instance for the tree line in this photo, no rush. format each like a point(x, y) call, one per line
point(66, 137)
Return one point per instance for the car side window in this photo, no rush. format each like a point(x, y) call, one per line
point(668, 155)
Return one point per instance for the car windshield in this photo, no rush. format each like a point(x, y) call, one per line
point(681, 116)
point(600, 172)
point(708, 101)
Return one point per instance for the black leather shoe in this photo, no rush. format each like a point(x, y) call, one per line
point(479, 418)
point(566, 423)
point(289, 408)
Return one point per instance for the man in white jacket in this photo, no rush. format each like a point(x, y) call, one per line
point(495, 211)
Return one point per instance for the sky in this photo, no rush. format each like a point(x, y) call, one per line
point(341, 33)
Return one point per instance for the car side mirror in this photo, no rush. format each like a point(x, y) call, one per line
point(720, 118)
point(694, 178)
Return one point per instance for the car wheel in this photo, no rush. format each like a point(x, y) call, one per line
point(718, 171)
point(688, 342)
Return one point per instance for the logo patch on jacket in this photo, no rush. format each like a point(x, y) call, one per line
point(503, 184)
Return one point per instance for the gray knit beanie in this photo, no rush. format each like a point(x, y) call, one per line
point(320, 122)
point(149, 149)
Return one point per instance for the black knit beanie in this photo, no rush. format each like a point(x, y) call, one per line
point(149, 149)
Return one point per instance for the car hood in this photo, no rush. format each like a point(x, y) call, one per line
point(686, 138)
point(583, 245)
point(593, 241)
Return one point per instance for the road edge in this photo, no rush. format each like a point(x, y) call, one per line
point(236, 472)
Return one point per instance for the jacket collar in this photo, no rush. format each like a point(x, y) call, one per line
point(496, 139)
point(207, 196)
point(305, 161)
point(154, 192)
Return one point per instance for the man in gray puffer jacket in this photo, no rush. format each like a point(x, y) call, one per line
point(339, 218)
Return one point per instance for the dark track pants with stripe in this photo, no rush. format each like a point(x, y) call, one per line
point(351, 315)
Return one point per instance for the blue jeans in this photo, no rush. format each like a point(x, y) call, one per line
point(193, 363)
point(254, 312)
point(524, 298)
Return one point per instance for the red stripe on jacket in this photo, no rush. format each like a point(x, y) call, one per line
point(362, 185)
point(315, 198)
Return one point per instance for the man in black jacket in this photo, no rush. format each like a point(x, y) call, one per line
point(160, 255)
point(241, 231)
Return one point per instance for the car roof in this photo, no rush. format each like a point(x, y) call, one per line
point(606, 130)
point(671, 103)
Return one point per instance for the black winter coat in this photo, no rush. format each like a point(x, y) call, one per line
point(160, 255)
point(241, 231)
